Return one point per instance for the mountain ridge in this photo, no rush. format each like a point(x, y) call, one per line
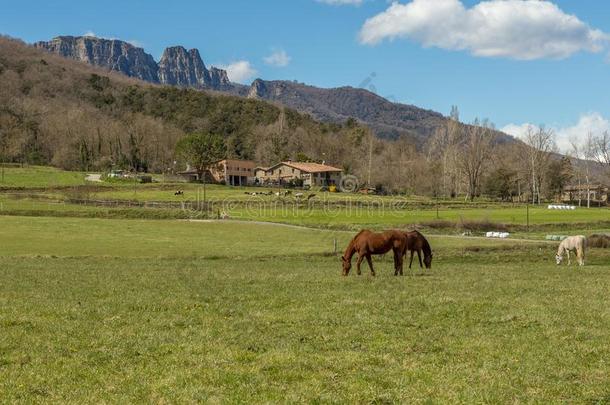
point(185, 68)
point(177, 66)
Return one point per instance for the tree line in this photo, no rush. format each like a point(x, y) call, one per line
point(66, 114)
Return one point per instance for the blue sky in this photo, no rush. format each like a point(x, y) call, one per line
point(492, 59)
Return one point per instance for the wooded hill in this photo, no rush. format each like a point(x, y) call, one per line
point(75, 116)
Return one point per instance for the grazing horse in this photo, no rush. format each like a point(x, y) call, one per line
point(416, 242)
point(367, 243)
point(576, 244)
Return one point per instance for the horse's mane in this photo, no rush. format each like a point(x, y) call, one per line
point(358, 234)
point(350, 246)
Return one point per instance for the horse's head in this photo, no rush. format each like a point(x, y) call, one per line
point(558, 259)
point(347, 265)
point(428, 261)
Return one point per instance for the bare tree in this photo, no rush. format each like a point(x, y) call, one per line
point(601, 149)
point(583, 151)
point(443, 149)
point(473, 152)
point(539, 144)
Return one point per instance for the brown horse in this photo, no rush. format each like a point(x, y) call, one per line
point(416, 242)
point(367, 243)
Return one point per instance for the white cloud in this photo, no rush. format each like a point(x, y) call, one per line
point(341, 2)
point(519, 130)
point(517, 29)
point(240, 71)
point(278, 58)
point(593, 123)
point(89, 34)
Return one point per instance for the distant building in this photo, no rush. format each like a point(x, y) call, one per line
point(232, 172)
point(309, 174)
point(260, 174)
point(599, 194)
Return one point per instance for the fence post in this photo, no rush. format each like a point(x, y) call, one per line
point(335, 246)
point(527, 209)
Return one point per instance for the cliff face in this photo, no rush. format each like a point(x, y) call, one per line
point(177, 67)
point(112, 54)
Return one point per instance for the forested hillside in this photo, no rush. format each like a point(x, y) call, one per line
point(71, 115)
point(68, 114)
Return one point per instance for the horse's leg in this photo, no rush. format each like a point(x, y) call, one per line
point(411, 261)
point(397, 262)
point(360, 257)
point(569, 261)
point(401, 256)
point(419, 257)
point(581, 257)
point(368, 259)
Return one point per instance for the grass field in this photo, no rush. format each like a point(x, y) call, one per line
point(124, 311)
point(332, 216)
point(136, 304)
point(326, 210)
point(40, 176)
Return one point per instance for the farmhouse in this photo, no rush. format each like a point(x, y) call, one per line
point(309, 174)
point(232, 172)
point(260, 173)
point(599, 194)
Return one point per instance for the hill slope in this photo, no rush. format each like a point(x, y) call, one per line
point(184, 68)
point(65, 113)
point(387, 119)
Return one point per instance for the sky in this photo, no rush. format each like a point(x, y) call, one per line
point(514, 62)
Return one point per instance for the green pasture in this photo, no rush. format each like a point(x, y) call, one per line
point(39, 176)
point(332, 216)
point(404, 215)
point(96, 310)
point(325, 210)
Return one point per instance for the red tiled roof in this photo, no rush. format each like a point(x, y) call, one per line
point(310, 167)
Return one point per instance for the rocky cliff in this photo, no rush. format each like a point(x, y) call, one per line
point(177, 67)
point(112, 54)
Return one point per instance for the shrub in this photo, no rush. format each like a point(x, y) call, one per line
point(484, 225)
point(599, 241)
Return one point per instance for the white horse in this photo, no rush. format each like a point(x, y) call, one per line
point(575, 244)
